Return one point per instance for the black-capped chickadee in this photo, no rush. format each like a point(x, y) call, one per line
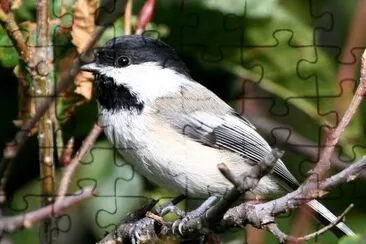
point(175, 131)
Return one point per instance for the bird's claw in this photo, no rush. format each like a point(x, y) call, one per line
point(179, 224)
point(195, 215)
point(143, 228)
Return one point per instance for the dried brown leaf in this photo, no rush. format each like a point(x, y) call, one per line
point(83, 23)
point(84, 84)
point(15, 4)
point(82, 28)
point(155, 217)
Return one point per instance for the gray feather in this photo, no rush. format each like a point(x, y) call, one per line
point(329, 217)
point(199, 114)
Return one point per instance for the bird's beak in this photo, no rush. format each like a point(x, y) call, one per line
point(90, 67)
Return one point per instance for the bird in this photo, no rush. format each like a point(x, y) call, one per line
point(173, 130)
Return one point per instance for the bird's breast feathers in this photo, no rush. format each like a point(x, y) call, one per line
point(170, 159)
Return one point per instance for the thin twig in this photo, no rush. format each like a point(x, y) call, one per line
point(261, 215)
point(67, 152)
point(14, 223)
point(282, 237)
point(7, 20)
point(324, 162)
point(128, 18)
point(70, 169)
point(42, 86)
point(254, 213)
point(327, 227)
point(12, 149)
point(346, 71)
point(273, 228)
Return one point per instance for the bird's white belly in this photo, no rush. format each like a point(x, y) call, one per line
point(173, 161)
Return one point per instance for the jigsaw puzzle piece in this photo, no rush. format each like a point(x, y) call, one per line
point(119, 189)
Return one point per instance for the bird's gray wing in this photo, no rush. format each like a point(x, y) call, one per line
point(201, 115)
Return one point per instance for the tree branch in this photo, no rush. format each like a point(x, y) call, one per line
point(254, 214)
point(282, 237)
point(211, 219)
point(126, 224)
point(261, 215)
point(324, 162)
point(12, 149)
point(40, 69)
point(245, 182)
point(346, 71)
point(7, 20)
point(127, 25)
point(14, 223)
point(70, 169)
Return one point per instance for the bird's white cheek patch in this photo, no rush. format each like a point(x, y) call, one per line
point(148, 80)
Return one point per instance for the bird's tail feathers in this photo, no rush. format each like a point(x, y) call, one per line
point(326, 217)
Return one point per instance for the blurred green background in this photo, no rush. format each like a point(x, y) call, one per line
point(270, 58)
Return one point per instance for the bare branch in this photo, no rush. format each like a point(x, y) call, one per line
point(242, 184)
point(324, 162)
point(345, 176)
point(255, 213)
point(327, 227)
point(261, 215)
point(12, 149)
point(122, 232)
point(7, 20)
point(349, 59)
point(70, 169)
point(67, 152)
point(273, 228)
point(282, 237)
point(40, 70)
point(212, 218)
point(14, 223)
point(127, 25)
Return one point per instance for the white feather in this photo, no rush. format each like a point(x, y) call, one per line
point(147, 80)
point(171, 160)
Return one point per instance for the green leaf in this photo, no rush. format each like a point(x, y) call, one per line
point(8, 54)
point(26, 12)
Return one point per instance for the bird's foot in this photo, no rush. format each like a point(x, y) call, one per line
point(172, 209)
point(182, 224)
point(142, 229)
point(145, 227)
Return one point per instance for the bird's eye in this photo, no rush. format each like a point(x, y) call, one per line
point(122, 61)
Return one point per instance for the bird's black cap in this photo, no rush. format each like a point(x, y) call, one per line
point(138, 49)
